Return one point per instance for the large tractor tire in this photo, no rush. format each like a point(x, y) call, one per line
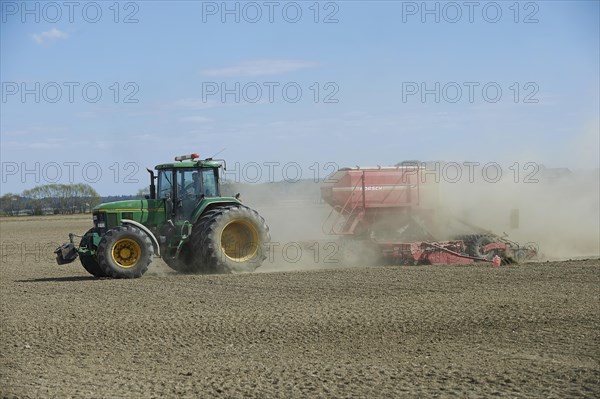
point(124, 252)
point(190, 258)
point(229, 239)
point(89, 262)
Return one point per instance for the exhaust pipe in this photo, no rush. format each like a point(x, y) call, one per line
point(152, 185)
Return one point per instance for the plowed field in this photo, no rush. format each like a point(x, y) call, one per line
point(529, 330)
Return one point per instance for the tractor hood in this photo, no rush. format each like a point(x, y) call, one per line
point(129, 205)
point(149, 212)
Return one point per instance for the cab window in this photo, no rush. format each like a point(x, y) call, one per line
point(209, 182)
point(165, 184)
point(188, 183)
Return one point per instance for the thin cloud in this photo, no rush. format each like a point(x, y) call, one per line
point(194, 103)
point(197, 104)
point(48, 144)
point(48, 36)
point(259, 68)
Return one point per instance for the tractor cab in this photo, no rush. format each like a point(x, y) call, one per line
point(185, 183)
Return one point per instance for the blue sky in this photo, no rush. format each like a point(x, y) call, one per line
point(364, 62)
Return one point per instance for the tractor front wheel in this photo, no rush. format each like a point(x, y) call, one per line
point(89, 262)
point(124, 252)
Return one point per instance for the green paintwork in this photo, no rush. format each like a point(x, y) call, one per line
point(206, 202)
point(148, 212)
point(85, 251)
point(152, 212)
point(91, 251)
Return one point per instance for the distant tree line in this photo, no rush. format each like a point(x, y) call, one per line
point(50, 199)
point(54, 199)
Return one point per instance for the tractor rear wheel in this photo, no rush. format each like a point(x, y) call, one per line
point(89, 262)
point(124, 252)
point(228, 239)
point(190, 258)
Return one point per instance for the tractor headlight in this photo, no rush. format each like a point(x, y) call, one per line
point(100, 220)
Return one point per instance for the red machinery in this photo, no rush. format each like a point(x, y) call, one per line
point(392, 211)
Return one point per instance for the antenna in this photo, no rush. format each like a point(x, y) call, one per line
point(223, 149)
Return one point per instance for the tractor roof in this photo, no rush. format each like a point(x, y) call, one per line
point(203, 163)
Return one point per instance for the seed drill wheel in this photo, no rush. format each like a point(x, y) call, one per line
point(125, 252)
point(475, 244)
point(228, 239)
point(89, 263)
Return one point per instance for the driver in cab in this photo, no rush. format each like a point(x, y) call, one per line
point(196, 184)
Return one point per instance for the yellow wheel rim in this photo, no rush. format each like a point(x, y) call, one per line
point(239, 240)
point(126, 252)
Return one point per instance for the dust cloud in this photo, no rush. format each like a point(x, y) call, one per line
point(558, 210)
point(295, 215)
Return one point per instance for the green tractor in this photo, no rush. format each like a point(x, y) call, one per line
point(184, 220)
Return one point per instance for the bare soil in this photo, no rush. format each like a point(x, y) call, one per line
point(529, 330)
